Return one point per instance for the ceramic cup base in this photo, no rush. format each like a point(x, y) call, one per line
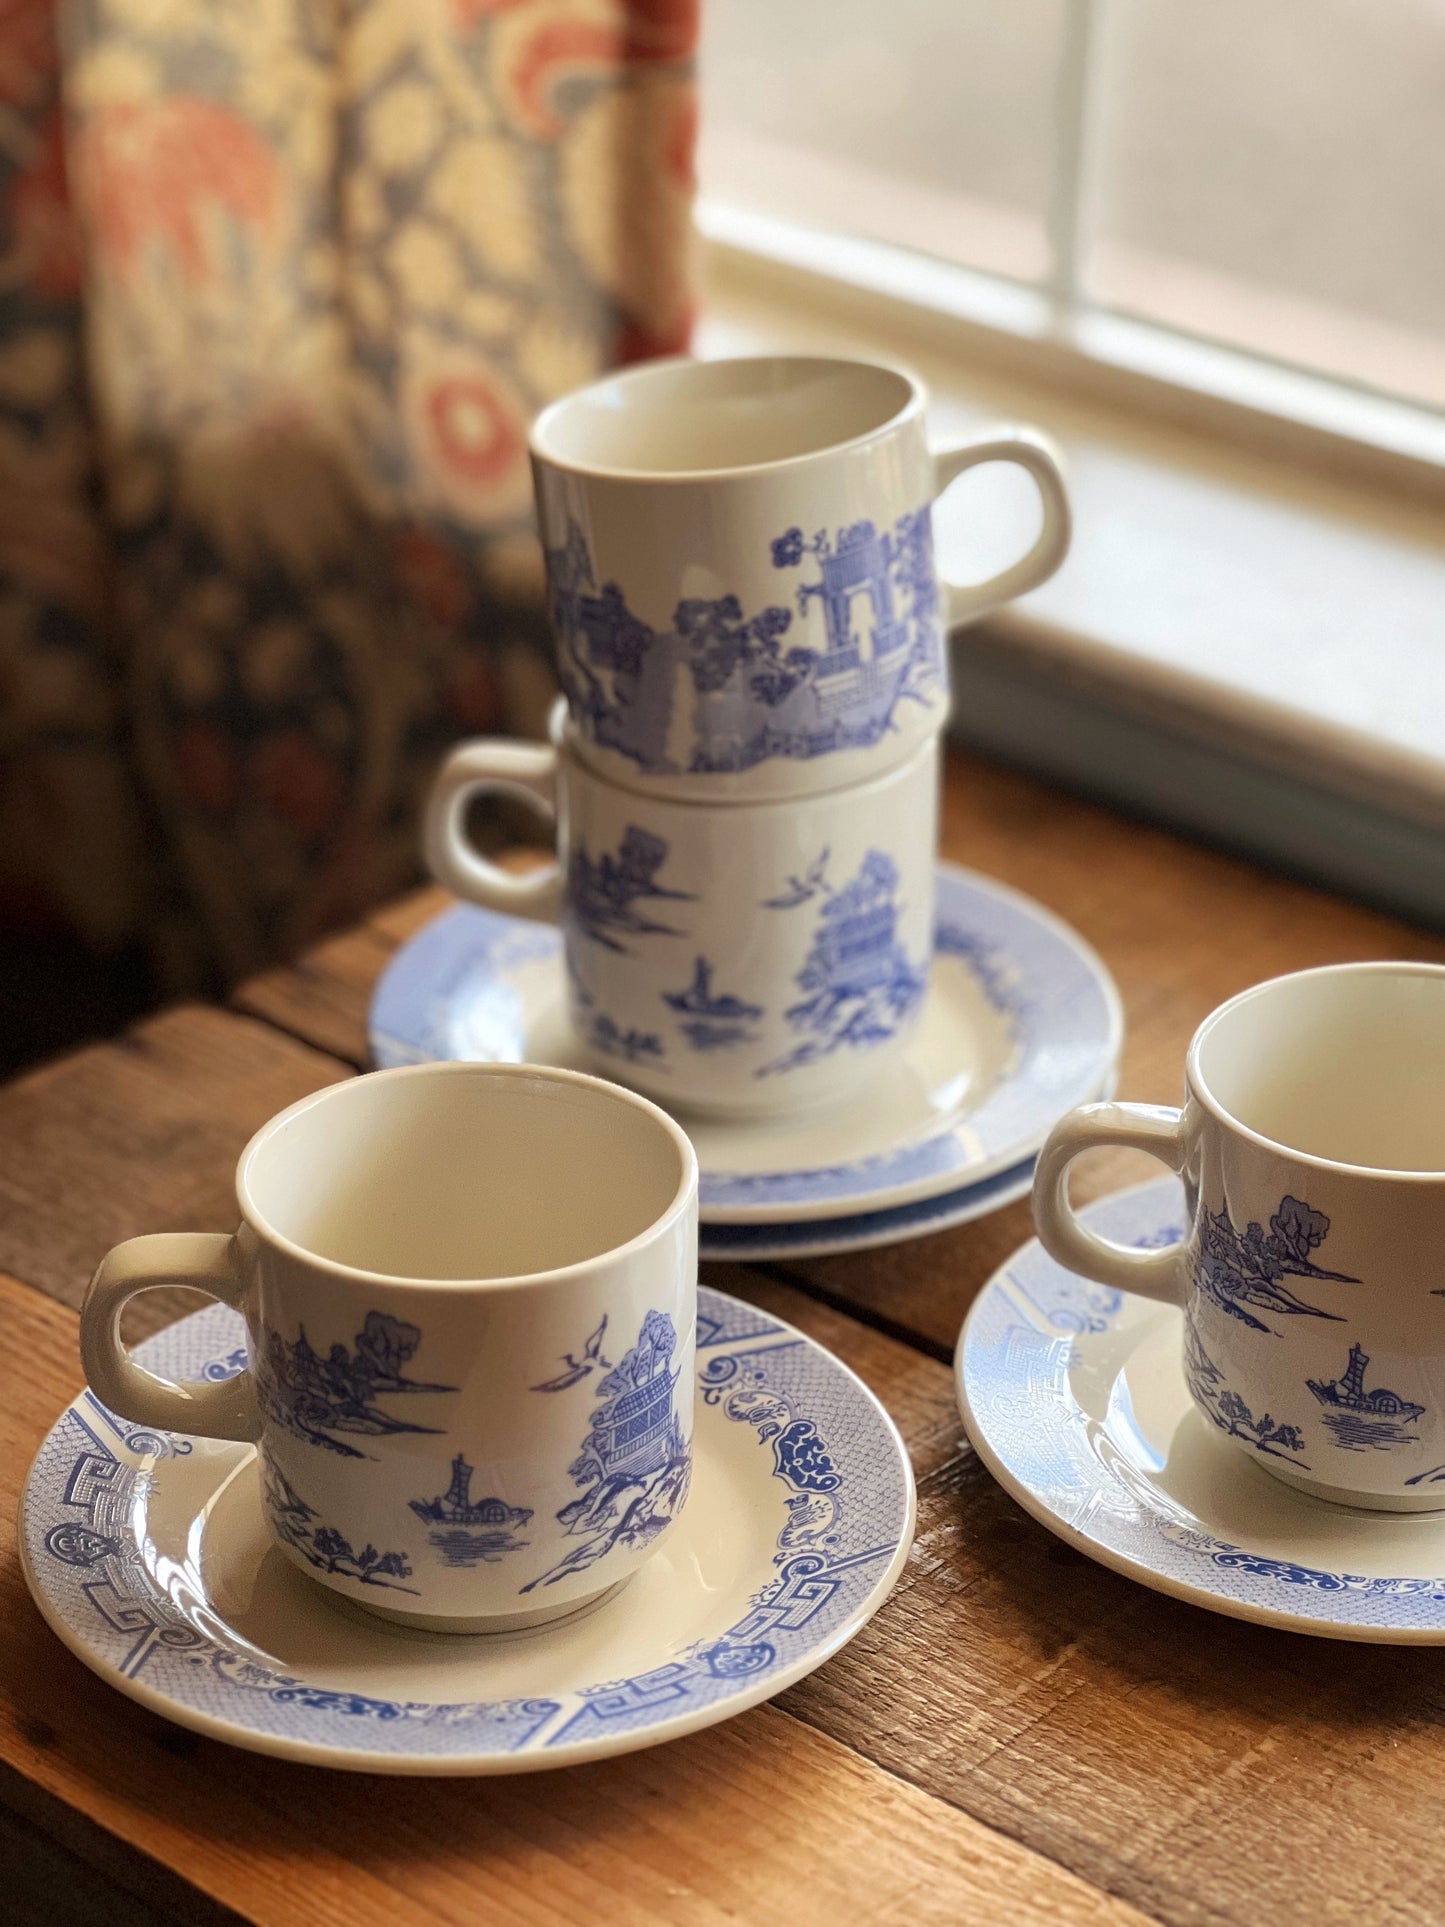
point(1341, 1495)
point(489, 1624)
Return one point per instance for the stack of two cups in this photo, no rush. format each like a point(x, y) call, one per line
point(744, 772)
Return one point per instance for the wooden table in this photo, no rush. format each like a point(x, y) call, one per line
point(1019, 1736)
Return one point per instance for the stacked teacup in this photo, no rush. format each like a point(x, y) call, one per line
point(744, 766)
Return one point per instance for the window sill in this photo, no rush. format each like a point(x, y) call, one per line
point(1279, 624)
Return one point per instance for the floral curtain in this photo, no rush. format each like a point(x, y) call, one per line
point(283, 283)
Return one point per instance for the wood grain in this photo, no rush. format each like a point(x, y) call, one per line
point(1012, 1707)
point(138, 1134)
point(323, 997)
point(764, 1818)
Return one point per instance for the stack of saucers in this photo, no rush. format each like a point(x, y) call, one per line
point(746, 920)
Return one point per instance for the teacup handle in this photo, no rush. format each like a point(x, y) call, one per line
point(1154, 1128)
point(204, 1259)
point(492, 763)
point(1035, 452)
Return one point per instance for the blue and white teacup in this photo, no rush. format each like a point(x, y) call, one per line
point(470, 1299)
point(1312, 1148)
point(740, 570)
point(740, 959)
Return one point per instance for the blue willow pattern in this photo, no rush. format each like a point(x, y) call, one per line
point(603, 892)
point(315, 1397)
point(996, 974)
point(81, 1513)
point(323, 1546)
point(858, 981)
point(575, 1369)
point(714, 1020)
point(627, 1041)
point(1360, 1420)
point(800, 1457)
point(1022, 1396)
point(635, 1467)
point(1242, 1271)
point(753, 698)
point(1229, 1411)
point(1228, 1557)
point(468, 1531)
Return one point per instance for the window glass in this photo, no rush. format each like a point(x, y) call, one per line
point(1265, 173)
point(1271, 173)
point(923, 122)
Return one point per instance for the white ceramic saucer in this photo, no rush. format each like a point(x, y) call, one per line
point(1022, 1022)
point(148, 1555)
point(1074, 1396)
point(831, 1237)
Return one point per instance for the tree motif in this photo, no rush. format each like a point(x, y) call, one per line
point(1242, 1270)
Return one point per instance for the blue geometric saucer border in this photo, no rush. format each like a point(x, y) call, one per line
point(827, 1237)
point(452, 983)
point(1042, 1372)
point(797, 1452)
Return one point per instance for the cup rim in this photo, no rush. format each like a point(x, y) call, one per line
point(270, 1234)
point(1199, 1087)
point(912, 406)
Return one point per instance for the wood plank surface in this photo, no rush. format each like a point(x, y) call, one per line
point(1013, 1707)
point(138, 1134)
point(762, 1818)
point(1192, 1766)
point(323, 997)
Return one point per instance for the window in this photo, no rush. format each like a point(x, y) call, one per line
point(1264, 174)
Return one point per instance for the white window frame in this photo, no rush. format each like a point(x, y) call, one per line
point(1050, 337)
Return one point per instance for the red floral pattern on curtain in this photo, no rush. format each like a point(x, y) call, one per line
point(283, 286)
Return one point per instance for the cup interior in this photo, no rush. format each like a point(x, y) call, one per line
point(1345, 1064)
point(465, 1172)
point(694, 417)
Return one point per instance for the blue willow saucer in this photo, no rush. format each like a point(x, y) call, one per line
point(1073, 1394)
point(1022, 1021)
point(832, 1237)
point(148, 1555)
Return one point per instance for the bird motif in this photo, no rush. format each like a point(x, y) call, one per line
point(579, 1368)
point(800, 889)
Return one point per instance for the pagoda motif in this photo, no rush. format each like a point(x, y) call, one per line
point(714, 1020)
point(632, 1436)
point(471, 1530)
point(854, 951)
point(635, 1464)
point(858, 981)
point(865, 661)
